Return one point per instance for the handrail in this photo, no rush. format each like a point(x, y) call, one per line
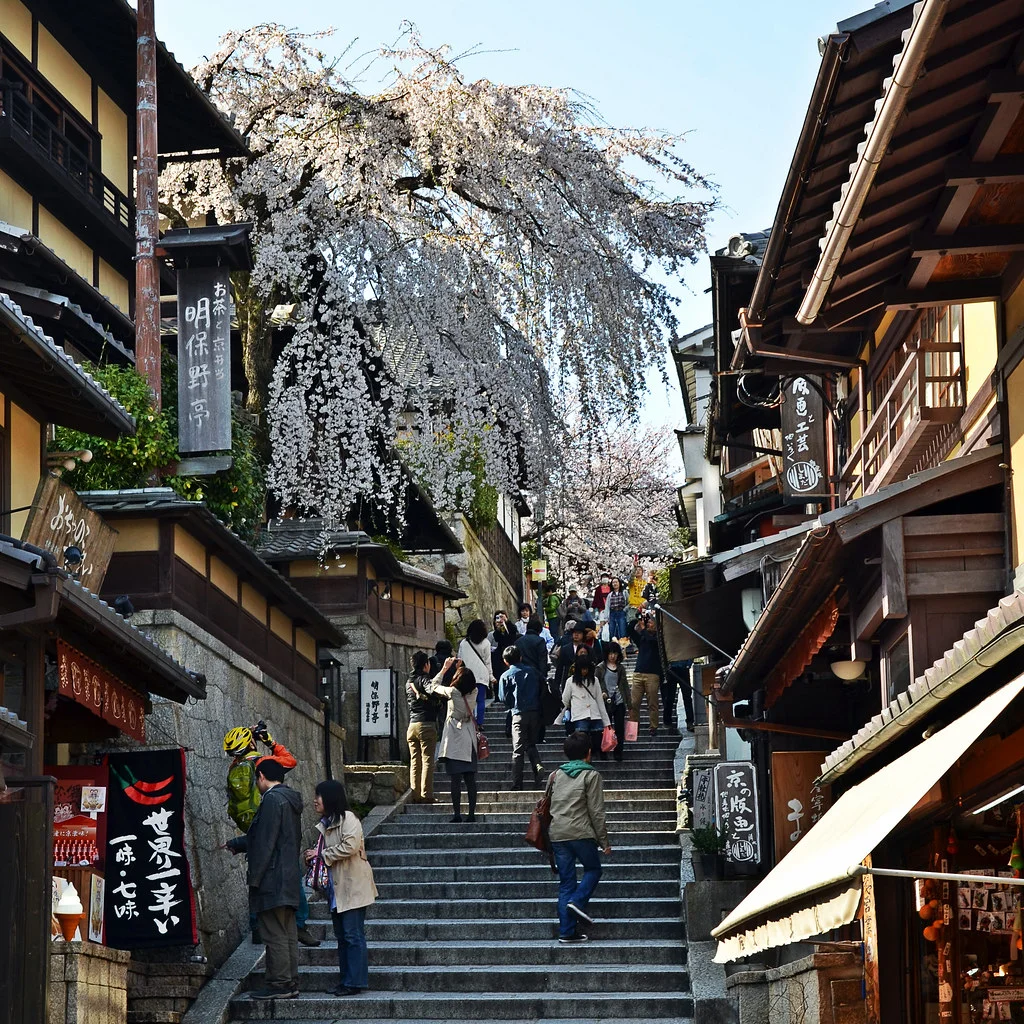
point(64, 154)
point(896, 410)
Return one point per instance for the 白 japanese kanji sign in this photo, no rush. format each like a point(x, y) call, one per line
point(376, 702)
point(804, 459)
point(204, 359)
point(92, 686)
point(736, 805)
point(148, 900)
point(798, 802)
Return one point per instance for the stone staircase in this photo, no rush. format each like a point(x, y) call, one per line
point(466, 926)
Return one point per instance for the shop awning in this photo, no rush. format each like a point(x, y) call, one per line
point(717, 615)
point(816, 886)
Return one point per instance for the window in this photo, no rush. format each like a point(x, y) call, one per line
point(896, 668)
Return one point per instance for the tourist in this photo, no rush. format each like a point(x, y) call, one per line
point(503, 634)
point(647, 673)
point(422, 732)
point(573, 607)
point(600, 599)
point(650, 591)
point(274, 877)
point(583, 699)
point(475, 654)
point(572, 639)
point(521, 689)
point(551, 603)
point(616, 605)
point(525, 611)
point(455, 684)
point(577, 833)
point(533, 648)
point(611, 674)
point(350, 885)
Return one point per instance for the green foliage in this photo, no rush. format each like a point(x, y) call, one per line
point(478, 499)
point(236, 497)
point(451, 634)
point(709, 839)
point(392, 545)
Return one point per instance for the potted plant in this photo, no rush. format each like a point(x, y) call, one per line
point(709, 844)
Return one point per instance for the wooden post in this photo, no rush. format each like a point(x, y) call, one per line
point(147, 212)
point(894, 571)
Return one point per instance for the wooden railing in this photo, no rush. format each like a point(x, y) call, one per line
point(29, 124)
point(927, 392)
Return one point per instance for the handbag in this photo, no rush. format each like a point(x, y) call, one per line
point(317, 873)
point(632, 729)
point(608, 739)
point(540, 820)
point(483, 748)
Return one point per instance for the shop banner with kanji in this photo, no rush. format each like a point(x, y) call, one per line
point(149, 900)
point(804, 456)
point(91, 685)
point(736, 808)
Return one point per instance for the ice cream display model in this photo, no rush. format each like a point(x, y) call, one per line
point(69, 911)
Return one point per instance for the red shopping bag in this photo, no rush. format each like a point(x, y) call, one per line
point(632, 729)
point(608, 739)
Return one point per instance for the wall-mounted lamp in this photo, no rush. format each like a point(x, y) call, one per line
point(848, 671)
point(58, 462)
point(73, 560)
point(383, 592)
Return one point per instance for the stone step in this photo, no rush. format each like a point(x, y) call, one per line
point(657, 817)
point(537, 908)
point(489, 954)
point(491, 1006)
point(463, 978)
point(465, 835)
point(445, 1020)
point(503, 799)
point(624, 889)
point(516, 853)
point(435, 825)
point(614, 868)
point(448, 929)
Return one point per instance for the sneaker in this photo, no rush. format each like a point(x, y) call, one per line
point(572, 940)
point(306, 938)
point(581, 914)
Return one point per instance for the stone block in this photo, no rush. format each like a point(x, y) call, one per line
point(706, 903)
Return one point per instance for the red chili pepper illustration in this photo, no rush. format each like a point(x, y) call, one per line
point(152, 787)
point(140, 792)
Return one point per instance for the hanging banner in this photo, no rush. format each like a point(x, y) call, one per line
point(92, 686)
point(204, 360)
point(798, 801)
point(59, 521)
point(376, 702)
point(804, 455)
point(736, 804)
point(148, 900)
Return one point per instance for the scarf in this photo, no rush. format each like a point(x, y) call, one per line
point(575, 768)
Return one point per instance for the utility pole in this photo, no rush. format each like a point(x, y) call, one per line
point(147, 210)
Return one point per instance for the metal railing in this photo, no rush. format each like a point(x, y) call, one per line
point(928, 389)
point(30, 124)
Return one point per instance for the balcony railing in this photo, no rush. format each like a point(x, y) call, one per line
point(923, 401)
point(28, 125)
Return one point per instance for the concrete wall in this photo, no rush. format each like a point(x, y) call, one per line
point(823, 988)
point(238, 693)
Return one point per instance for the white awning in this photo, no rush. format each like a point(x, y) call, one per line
point(816, 886)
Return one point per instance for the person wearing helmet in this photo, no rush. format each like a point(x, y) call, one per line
point(244, 797)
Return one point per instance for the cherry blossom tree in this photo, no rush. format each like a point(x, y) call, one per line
point(454, 256)
point(612, 500)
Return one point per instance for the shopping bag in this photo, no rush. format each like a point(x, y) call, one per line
point(608, 739)
point(632, 729)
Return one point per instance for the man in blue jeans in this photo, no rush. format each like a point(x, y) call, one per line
point(577, 832)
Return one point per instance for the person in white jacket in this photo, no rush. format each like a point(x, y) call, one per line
point(475, 654)
point(583, 697)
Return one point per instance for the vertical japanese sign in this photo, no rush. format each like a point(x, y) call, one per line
point(376, 696)
point(804, 459)
point(798, 801)
point(736, 804)
point(204, 360)
point(703, 798)
point(148, 900)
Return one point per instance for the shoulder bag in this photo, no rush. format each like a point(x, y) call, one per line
point(483, 748)
point(537, 832)
point(317, 873)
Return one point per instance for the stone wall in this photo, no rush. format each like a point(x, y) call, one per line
point(823, 988)
point(475, 572)
point(238, 693)
point(88, 984)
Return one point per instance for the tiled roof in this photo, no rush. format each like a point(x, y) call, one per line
point(1001, 631)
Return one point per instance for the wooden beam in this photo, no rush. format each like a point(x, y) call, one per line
point(894, 571)
point(944, 584)
point(866, 624)
point(1000, 170)
point(944, 293)
point(951, 207)
point(955, 525)
point(966, 241)
point(922, 273)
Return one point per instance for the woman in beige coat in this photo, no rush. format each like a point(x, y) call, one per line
point(583, 698)
point(457, 685)
point(351, 888)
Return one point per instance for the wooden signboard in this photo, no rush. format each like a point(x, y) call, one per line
point(204, 360)
point(798, 802)
point(736, 810)
point(58, 521)
point(91, 685)
point(804, 456)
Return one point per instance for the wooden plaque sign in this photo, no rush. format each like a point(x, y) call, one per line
point(798, 802)
point(92, 686)
point(58, 521)
point(804, 458)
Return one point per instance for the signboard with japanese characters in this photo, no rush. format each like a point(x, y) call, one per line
point(798, 801)
point(204, 359)
point(736, 804)
point(376, 702)
point(703, 798)
point(804, 459)
point(59, 521)
point(92, 686)
point(148, 899)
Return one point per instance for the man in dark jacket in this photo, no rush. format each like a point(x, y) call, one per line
point(520, 689)
point(647, 673)
point(533, 648)
point(272, 844)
